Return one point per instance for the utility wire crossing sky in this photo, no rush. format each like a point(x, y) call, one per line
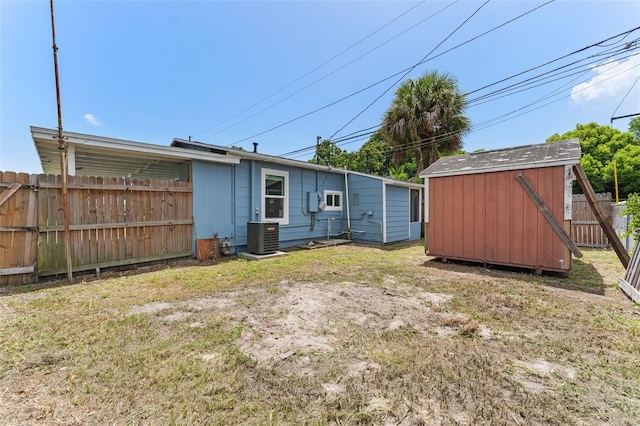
point(282, 73)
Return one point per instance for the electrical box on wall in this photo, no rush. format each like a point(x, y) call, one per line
point(312, 202)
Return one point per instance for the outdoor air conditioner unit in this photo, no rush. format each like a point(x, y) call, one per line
point(263, 237)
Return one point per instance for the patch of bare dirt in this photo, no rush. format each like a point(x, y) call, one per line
point(6, 313)
point(540, 369)
point(305, 319)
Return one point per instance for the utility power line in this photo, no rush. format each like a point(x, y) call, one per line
point(393, 75)
point(518, 87)
point(410, 69)
point(625, 97)
point(336, 56)
point(302, 89)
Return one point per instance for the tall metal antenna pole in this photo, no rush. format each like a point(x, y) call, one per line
point(63, 155)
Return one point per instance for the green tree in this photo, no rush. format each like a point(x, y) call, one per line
point(376, 149)
point(375, 157)
point(633, 209)
point(601, 146)
point(634, 127)
point(328, 153)
point(378, 153)
point(425, 119)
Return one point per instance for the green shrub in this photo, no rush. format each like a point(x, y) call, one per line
point(633, 209)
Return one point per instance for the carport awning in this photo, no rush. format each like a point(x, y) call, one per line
point(90, 155)
point(95, 162)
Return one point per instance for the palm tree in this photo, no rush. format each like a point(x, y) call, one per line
point(426, 119)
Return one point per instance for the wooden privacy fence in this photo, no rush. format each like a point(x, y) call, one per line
point(112, 221)
point(18, 228)
point(585, 229)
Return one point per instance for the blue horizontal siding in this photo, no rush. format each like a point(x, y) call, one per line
point(213, 202)
point(365, 195)
point(225, 198)
point(415, 231)
point(397, 223)
point(303, 226)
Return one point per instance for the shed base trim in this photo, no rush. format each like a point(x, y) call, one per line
point(538, 269)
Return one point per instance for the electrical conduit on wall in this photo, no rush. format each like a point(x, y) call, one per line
point(346, 200)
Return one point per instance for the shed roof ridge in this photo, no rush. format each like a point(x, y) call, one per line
point(545, 154)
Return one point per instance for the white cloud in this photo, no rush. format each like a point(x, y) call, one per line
point(613, 80)
point(92, 119)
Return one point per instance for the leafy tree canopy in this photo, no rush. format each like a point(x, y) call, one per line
point(633, 209)
point(329, 154)
point(374, 157)
point(601, 146)
point(634, 127)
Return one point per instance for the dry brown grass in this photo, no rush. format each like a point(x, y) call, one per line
point(342, 335)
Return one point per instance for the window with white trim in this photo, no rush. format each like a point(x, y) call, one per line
point(275, 196)
point(333, 200)
point(415, 205)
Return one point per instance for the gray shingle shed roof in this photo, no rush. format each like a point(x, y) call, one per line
point(566, 152)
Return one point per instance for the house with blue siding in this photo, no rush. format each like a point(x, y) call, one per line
point(308, 201)
point(232, 188)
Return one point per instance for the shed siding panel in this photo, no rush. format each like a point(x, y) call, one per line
point(397, 213)
point(530, 222)
point(447, 214)
point(470, 184)
point(458, 217)
point(436, 217)
point(478, 220)
point(516, 221)
point(545, 237)
point(491, 216)
point(503, 248)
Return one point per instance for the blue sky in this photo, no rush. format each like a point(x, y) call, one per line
point(234, 72)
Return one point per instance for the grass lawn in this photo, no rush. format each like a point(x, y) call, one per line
point(341, 335)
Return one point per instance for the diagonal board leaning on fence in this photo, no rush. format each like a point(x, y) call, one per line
point(113, 221)
point(18, 228)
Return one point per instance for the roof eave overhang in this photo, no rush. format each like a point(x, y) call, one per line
point(294, 163)
point(50, 136)
point(405, 184)
point(255, 156)
point(388, 180)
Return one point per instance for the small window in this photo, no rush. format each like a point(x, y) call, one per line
point(415, 205)
point(333, 200)
point(275, 197)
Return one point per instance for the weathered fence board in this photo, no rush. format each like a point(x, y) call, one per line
point(585, 229)
point(18, 231)
point(630, 284)
point(112, 222)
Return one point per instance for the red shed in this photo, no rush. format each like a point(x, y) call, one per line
point(506, 207)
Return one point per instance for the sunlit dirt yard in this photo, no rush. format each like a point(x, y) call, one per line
point(339, 336)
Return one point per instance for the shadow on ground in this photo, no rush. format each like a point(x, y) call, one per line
point(583, 277)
